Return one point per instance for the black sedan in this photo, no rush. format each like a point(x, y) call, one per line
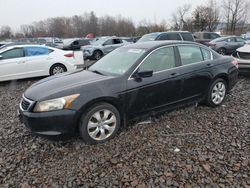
point(132, 81)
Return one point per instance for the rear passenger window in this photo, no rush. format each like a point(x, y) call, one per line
point(187, 36)
point(159, 60)
point(238, 39)
point(230, 40)
point(206, 54)
point(190, 54)
point(163, 37)
point(174, 36)
point(36, 51)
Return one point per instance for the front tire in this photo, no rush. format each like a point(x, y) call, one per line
point(99, 124)
point(97, 55)
point(216, 93)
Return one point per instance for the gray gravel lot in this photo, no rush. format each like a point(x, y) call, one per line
point(195, 146)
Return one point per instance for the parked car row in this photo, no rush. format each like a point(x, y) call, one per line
point(25, 61)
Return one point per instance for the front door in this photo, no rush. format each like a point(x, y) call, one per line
point(158, 91)
point(12, 64)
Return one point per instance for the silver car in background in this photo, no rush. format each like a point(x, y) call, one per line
point(226, 45)
point(102, 46)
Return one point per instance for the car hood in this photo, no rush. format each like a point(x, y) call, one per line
point(51, 87)
point(245, 49)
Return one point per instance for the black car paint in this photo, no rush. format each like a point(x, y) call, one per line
point(132, 97)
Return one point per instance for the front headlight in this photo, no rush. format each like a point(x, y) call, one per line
point(55, 104)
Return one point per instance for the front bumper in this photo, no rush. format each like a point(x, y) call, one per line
point(49, 123)
point(87, 54)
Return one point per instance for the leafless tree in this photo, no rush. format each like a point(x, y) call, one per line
point(235, 12)
point(5, 32)
point(206, 17)
point(179, 17)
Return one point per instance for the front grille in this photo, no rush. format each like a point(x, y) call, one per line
point(25, 104)
point(244, 55)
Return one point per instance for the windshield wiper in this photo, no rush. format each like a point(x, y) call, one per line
point(97, 72)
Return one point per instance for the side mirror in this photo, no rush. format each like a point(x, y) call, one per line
point(143, 74)
point(1, 57)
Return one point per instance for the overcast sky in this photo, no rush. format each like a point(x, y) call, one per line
point(17, 12)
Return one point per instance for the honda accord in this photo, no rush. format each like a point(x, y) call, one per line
point(132, 81)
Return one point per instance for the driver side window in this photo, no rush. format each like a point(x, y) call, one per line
point(13, 53)
point(159, 60)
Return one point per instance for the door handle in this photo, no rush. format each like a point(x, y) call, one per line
point(174, 74)
point(209, 64)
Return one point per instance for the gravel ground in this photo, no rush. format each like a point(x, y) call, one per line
point(195, 146)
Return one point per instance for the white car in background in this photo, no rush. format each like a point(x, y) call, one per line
point(242, 55)
point(25, 61)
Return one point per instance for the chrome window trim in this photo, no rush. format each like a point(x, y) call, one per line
point(175, 45)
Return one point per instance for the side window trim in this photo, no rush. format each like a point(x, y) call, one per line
point(142, 61)
point(179, 57)
point(178, 63)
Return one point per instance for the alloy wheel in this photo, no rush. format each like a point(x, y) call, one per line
point(222, 51)
point(102, 124)
point(218, 93)
point(57, 70)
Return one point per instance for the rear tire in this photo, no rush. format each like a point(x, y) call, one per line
point(216, 93)
point(57, 69)
point(222, 51)
point(99, 123)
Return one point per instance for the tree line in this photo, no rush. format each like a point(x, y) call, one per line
point(206, 17)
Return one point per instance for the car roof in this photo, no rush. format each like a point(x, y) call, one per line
point(22, 46)
point(169, 32)
point(155, 44)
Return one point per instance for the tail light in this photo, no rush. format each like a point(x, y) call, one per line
point(69, 55)
point(235, 63)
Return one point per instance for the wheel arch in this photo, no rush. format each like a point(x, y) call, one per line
point(223, 76)
point(98, 49)
point(110, 100)
point(54, 64)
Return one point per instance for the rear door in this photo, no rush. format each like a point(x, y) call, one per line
point(160, 90)
point(12, 64)
point(195, 70)
point(240, 41)
point(231, 44)
point(37, 60)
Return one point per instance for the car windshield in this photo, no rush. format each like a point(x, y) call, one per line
point(148, 37)
point(117, 62)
